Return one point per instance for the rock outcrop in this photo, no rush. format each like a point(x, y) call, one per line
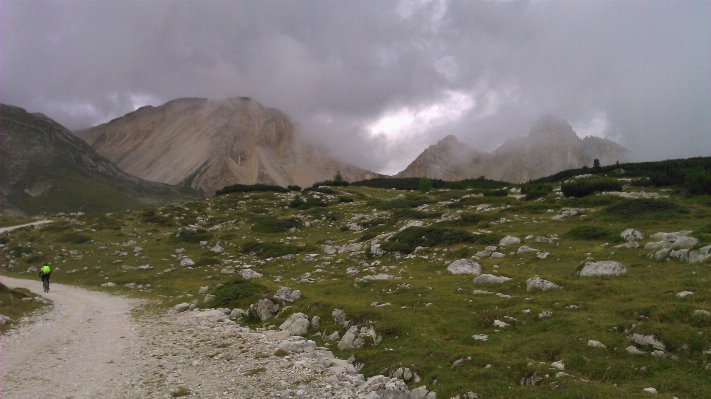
point(550, 147)
point(208, 145)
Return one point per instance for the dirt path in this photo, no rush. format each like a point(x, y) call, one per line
point(82, 348)
point(10, 228)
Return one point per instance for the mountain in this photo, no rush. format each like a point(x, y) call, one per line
point(208, 145)
point(551, 146)
point(46, 168)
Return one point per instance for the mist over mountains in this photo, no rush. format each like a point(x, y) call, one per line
point(550, 147)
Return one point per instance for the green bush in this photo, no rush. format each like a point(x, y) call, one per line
point(639, 208)
point(495, 193)
point(641, 182)
point(409, 213)
point(345, 199)
point(294, 188)
point(310, 202)
point(248, 188)
point(698, 182)
point(591, 233)
point(407, 240)
point(150, 216)
point(425, 185)
point(18, 250)
point(584, 187)
point(536, 190)
point(271, 249)
point(74, 238)
point(192, 236)
point(237, 293)
point(56, 226)
point(401, 203)
point(275, 225)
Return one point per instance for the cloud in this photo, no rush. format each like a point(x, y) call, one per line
point(377, 82)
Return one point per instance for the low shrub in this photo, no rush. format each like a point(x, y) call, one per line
point(238, 293)
point(698, 183)
point(345, 199)
point(495, 193)
point(310, 202)
point(638, 208)
point(294, 188)
point(150, 216)
point(275, 225)
point(75, 238)
point(536, 190)
point(192, 236)
point(407, 240)
point(19, 250)
point(270, 249)
point(401, 203)
point(56, 227)
point(584, 187)
point(591, 233)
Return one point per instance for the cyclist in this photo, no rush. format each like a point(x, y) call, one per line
point(44, 273)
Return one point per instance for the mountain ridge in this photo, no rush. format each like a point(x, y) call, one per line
point(208, 145)
point(45, 168)
point(551, 146)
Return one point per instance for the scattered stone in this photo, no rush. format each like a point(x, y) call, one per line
point(540, 284)
point(546, 314)
point(596, 344)
point(480, 337)
point(4, 319)
point(542, 255)
point(497, 255)
point(603, 268)
point(265, 308)
point(217, 249)
point(632, 350)
point(491, 279)
point(109, 284)
point(203, 290)
point(296, 324)
point(647, 340)
point(464, 266)
point(187, 262)
point(500, 324)
point(412, 223)
point(525, 249)
point(249, 274)
point(684, 294)
point(287, 294)
point(209, 298)
point(702, 312)
point(650, 390)
point(559, 365)
point(631, 235)
point(510, 240)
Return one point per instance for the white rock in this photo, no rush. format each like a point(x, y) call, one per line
point(631, 235)
point(647, 340)
point(249, 274)
point(510, 240)
point(296, 324)
point(603, 268)
point(497, 255)
point(525, 249)
point(491, 279)
point(702, 312)
point(540, 284)
point(412, 223)
point(287, 294)
point(265, 308)
point(546, 314)
point(181, 307)
point(464, 266)
point(187, 262)
point(684, 294)
point(595, 344)
point(480, 337)
point(632, 350)
point(559, 365)
point(650, 390)
point(209, 298)
point(109, 284)
point(500, 324)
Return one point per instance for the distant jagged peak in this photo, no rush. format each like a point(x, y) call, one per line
point(550, 126)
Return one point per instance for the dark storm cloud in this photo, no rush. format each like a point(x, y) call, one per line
point(350, 73)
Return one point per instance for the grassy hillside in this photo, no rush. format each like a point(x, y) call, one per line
point(432, 316)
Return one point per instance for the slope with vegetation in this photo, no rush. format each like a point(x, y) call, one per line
point(383, 259)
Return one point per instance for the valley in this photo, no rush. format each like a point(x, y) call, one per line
point(374, 267)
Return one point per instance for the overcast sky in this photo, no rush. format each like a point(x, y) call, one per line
point(378, 81)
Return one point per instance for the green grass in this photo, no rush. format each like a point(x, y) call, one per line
point(433, 314)
point(13, 306)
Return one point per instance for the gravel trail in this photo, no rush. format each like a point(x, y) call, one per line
point(83, 347)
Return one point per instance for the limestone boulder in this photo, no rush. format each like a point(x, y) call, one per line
point(464, 266)
point(537, 283)
point(491, 279)
point(296, 324)
point(603, 268)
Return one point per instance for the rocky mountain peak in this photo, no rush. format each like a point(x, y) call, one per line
point(552, 127)
point(208, 144)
